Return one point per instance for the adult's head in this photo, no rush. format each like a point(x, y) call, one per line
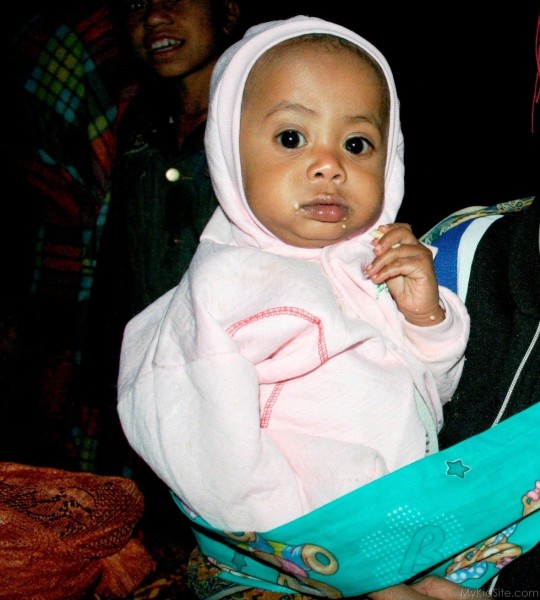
point(178, 38)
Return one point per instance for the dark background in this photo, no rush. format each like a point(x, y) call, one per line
point(465, 74)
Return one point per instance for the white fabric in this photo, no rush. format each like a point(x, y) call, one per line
point(274, 379)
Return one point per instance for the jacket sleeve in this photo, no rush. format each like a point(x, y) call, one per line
point(442, 347)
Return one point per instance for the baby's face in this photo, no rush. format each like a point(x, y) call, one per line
point(313, 144)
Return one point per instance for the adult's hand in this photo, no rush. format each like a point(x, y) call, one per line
point(432, 587)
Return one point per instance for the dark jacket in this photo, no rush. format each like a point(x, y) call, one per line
point(161, 199)
point(502, 368)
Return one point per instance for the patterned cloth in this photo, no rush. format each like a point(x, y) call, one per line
point(71, 98)
point(63, 533)
point(204, 579)
point(70, 106)
point(472, 212)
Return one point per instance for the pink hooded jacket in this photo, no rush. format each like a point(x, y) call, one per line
point(275, 379)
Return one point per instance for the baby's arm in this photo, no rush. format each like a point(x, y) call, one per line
point(406, 266)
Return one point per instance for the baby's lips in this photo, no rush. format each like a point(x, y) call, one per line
point(326, 212)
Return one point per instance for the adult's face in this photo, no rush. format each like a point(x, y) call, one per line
point(177, 38)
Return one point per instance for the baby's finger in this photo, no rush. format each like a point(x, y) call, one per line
point(392, 236)
point(378, 234)
point(402, 259)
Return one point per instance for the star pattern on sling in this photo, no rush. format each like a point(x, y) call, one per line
point(457, 468)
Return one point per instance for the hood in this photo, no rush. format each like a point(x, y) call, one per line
point(235, 224)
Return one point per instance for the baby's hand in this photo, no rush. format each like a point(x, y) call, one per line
point(406, 266)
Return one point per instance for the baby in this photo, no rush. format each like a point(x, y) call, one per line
point(300, 357)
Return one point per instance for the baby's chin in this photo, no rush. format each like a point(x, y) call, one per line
point(322, 239)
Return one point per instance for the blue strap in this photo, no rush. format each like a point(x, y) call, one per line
point(447, 234)
point(446, 259)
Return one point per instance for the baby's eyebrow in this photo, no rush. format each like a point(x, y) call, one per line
point(370, 120)
point(284, 105)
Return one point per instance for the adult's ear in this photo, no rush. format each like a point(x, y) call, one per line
point(231, 11)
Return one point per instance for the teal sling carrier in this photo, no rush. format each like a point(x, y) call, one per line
point(468, 500)
point(461, 513)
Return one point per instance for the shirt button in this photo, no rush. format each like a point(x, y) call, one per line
point(172, 175)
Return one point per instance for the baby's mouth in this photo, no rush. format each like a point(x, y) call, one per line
point(327, 209)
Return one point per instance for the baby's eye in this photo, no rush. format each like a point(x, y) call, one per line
point(291, 139)
point(358, 145)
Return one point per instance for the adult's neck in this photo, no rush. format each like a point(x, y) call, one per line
point(191, 106)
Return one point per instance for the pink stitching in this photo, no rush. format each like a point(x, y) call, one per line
point(275, 312)
point(265, 419)
point(284, 310)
